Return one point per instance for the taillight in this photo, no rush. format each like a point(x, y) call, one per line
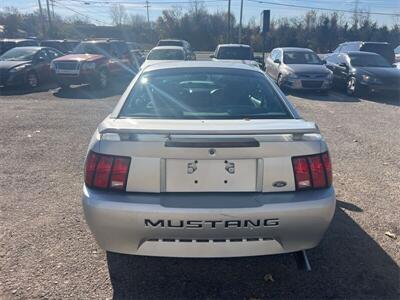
point(106, 171)
point(312, 171)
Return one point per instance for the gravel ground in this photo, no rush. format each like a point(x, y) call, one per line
point(47, 251)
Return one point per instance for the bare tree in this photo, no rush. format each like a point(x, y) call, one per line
point(118, 14)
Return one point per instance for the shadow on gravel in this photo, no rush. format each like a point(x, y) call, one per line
point(332, 96)
point(387, 98)
point(15, 91)
point(89, 92)
point(347, 264)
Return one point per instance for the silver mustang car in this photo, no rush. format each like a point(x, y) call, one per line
point(206, 159)
point(298, 69)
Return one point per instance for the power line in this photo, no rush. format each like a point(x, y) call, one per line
point(321, 8)
point(79, 13)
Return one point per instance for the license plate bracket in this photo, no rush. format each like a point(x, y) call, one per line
point(230, 175)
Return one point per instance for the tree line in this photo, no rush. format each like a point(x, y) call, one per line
point(204, 29)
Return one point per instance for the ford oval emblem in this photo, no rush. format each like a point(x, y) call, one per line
point(279, 184)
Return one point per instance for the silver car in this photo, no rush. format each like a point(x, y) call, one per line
point(298, 69)
point(207, 159)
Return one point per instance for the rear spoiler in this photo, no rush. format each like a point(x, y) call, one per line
point(295, 131)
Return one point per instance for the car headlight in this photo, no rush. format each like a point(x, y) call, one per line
point(89, 66)
point(17, 68)
point(292, 76)
point(371, 79)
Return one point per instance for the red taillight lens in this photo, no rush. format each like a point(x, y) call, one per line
point(119, 172)
point(328, 167)
point(317, 171)
point(312, 171)
point(106, 171)
point(301, 173)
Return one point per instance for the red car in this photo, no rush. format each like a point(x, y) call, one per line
point(96, 62)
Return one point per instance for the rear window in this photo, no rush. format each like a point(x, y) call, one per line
point(170, 43)
point(236, 53)
point(208, 93)
point(298, 57)
point(93, 48)
point(383, 49)
point(166, 54)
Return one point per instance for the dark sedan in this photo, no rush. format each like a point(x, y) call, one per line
point(27, 66)
point(298, 69)
point(363, 72)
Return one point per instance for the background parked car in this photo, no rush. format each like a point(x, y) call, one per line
point(298, 69)
point(235, 53)
point(180, 43)
point(28, 66)
point(382, 48)
point(7, 44)
point(95, 62)
point(65, 46)
point(363, 72)
point(164, 53)
point(397, 54)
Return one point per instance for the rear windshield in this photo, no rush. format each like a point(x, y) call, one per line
point(166, 54)
point(93, 48)
point(298, 57)
point(240, 53)
point(208, 93)
point(383, 49)
point(170, 43)
point(368, 61)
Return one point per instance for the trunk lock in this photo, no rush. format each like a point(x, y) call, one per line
point(230, 167)
point(192, 167)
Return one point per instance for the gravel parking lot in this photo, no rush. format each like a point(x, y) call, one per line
point(47, 251)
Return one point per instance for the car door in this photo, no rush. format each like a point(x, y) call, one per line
point(52, 54)
point(121, 59)
point(41, 65)
point(342, 68)
point(269, 63)
point(275, 65)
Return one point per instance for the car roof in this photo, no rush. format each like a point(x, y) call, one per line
point(30, 48)
point(234, 45)
point(358, 42)
point(171, 40)
point(168, 48)
point(181, 64)
point(361, 53)
point(296, 49)
point(16, 40)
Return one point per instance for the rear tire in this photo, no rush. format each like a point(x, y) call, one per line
point(353, 88)
point(102, 79)
point(32, 80)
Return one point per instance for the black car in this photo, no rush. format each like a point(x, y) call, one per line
point(363, 72)
point(65, 46)
point(382, 48)
point(7, 44)
point(28, 66)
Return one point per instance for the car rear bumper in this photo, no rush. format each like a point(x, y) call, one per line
point(208, 224)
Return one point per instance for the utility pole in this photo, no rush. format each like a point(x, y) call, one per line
point(240, 21)
point(42, 19)
point(49, 16)
point(229, 21)
point(147, 9)
point(52, 8)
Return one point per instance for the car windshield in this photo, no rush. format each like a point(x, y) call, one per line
point(208, 93)
point(301, 58)
point(240, 53)
point(166, 54)
point(18, 54)
point(368, 61)
point(92, 48)
point(170, 43)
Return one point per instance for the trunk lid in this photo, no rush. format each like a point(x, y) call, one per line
point(209, 155)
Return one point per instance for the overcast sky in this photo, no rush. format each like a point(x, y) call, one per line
point(98, 10)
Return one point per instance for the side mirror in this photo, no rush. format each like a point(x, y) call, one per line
point(40, 59)
point(324, 62)
point(343, 65)
point(277, 61)
point(212, 56)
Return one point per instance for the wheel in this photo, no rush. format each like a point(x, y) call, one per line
point(32, 80)
point(102, 79)
point(353, 88)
